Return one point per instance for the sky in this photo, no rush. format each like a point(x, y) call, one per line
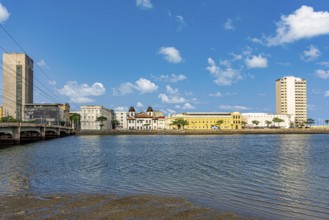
point(176, 56)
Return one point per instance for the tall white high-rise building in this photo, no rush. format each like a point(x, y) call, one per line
point(17, 84)
point(291, 98)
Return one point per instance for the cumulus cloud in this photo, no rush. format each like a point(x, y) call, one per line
point(172, 78)
point(144, 4)
point(172, 91)
point(121, 109)
point(4, 14)
point(81, 93)
point(234, 107)
point(217, 94)
point(142, 85)
point(139, 105)
point(42, 63)
point(311, 54)
point(186, 106)
point(256, 62)
point(171, 99)
point(171, 54)
point(326, 94)
point(224, 77)
point(170, 111)
point(304, 23)
point(228, 25)
point(322, 74)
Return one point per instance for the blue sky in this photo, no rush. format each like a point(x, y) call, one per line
point(176, 56)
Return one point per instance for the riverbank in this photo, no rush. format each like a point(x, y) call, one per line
point(103, 207)
point(324, 130)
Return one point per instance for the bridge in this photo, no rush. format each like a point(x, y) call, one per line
point(16, 133)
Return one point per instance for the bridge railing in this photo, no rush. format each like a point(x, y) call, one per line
point(24, 124)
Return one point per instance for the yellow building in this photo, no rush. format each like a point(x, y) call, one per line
point(208, 120)
point(1, 112)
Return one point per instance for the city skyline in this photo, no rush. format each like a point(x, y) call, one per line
point(173, 56)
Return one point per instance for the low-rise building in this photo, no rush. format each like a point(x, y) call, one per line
point(89, 115)
point(48, 113)
point(144, 120)
point(264, 120)
point(207, 120)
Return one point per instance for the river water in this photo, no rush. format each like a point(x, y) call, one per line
point(264, 176)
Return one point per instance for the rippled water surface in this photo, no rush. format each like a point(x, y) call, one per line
point(266, 176)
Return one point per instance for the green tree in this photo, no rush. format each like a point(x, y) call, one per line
point(115, 123)
point(180, 123)
point(277, 120)
point(219, 123)
point(75, 120)
point(255, 122)
point(243, 123)
point(268, 123)
point(8, 119)
point(327, 121)
point(101, 120)
point(309, 121)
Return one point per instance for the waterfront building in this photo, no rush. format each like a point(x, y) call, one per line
point(291, 98)
point(144, 120)
point(121, 117)
point(47, 113)
point(17, 84)
point(248, 118)
point(89, 115)
point(207, 120)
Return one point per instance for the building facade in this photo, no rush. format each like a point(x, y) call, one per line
point(291, 98)
point(248, 118)
point(89, 115)
point(145, 120)
point(17, 84)
point(207, 120)
point(50, 114)
point(121, 117)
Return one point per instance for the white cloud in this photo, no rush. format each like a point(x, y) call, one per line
point(180, 22)
point(311, 54)
point(172, 78)
point(145, 86)
point(256, 62)
point(142, 85)
point(171, 99)
point(234, 108)
point(302, 24)
point(171, 54)
point(326, 94)
point(172, 91)
point(188, 106)
point(52, 82)
point(144, 4)
point(170, 111)
point(139, 105)
point(322, 74)
point(4, 14)
point(42, 63)
point(217, 94)
point(324, 63)
point(121, 108)
point(80, 93)
point(223, 77)
point(228, 25)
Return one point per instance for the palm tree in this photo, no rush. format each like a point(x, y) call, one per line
point(277, 120)
point(75, 120)
point(268, 123)
point(309, 121)
point(255, 122)
point(101, 119)
point(327, 121)
point(219, 123)
point(180, 123)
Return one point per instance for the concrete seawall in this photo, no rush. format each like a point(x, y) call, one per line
point(206, 132)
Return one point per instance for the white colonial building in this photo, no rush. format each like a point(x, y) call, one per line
point(248, 118)
point(89, 115)
point(145, 120)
